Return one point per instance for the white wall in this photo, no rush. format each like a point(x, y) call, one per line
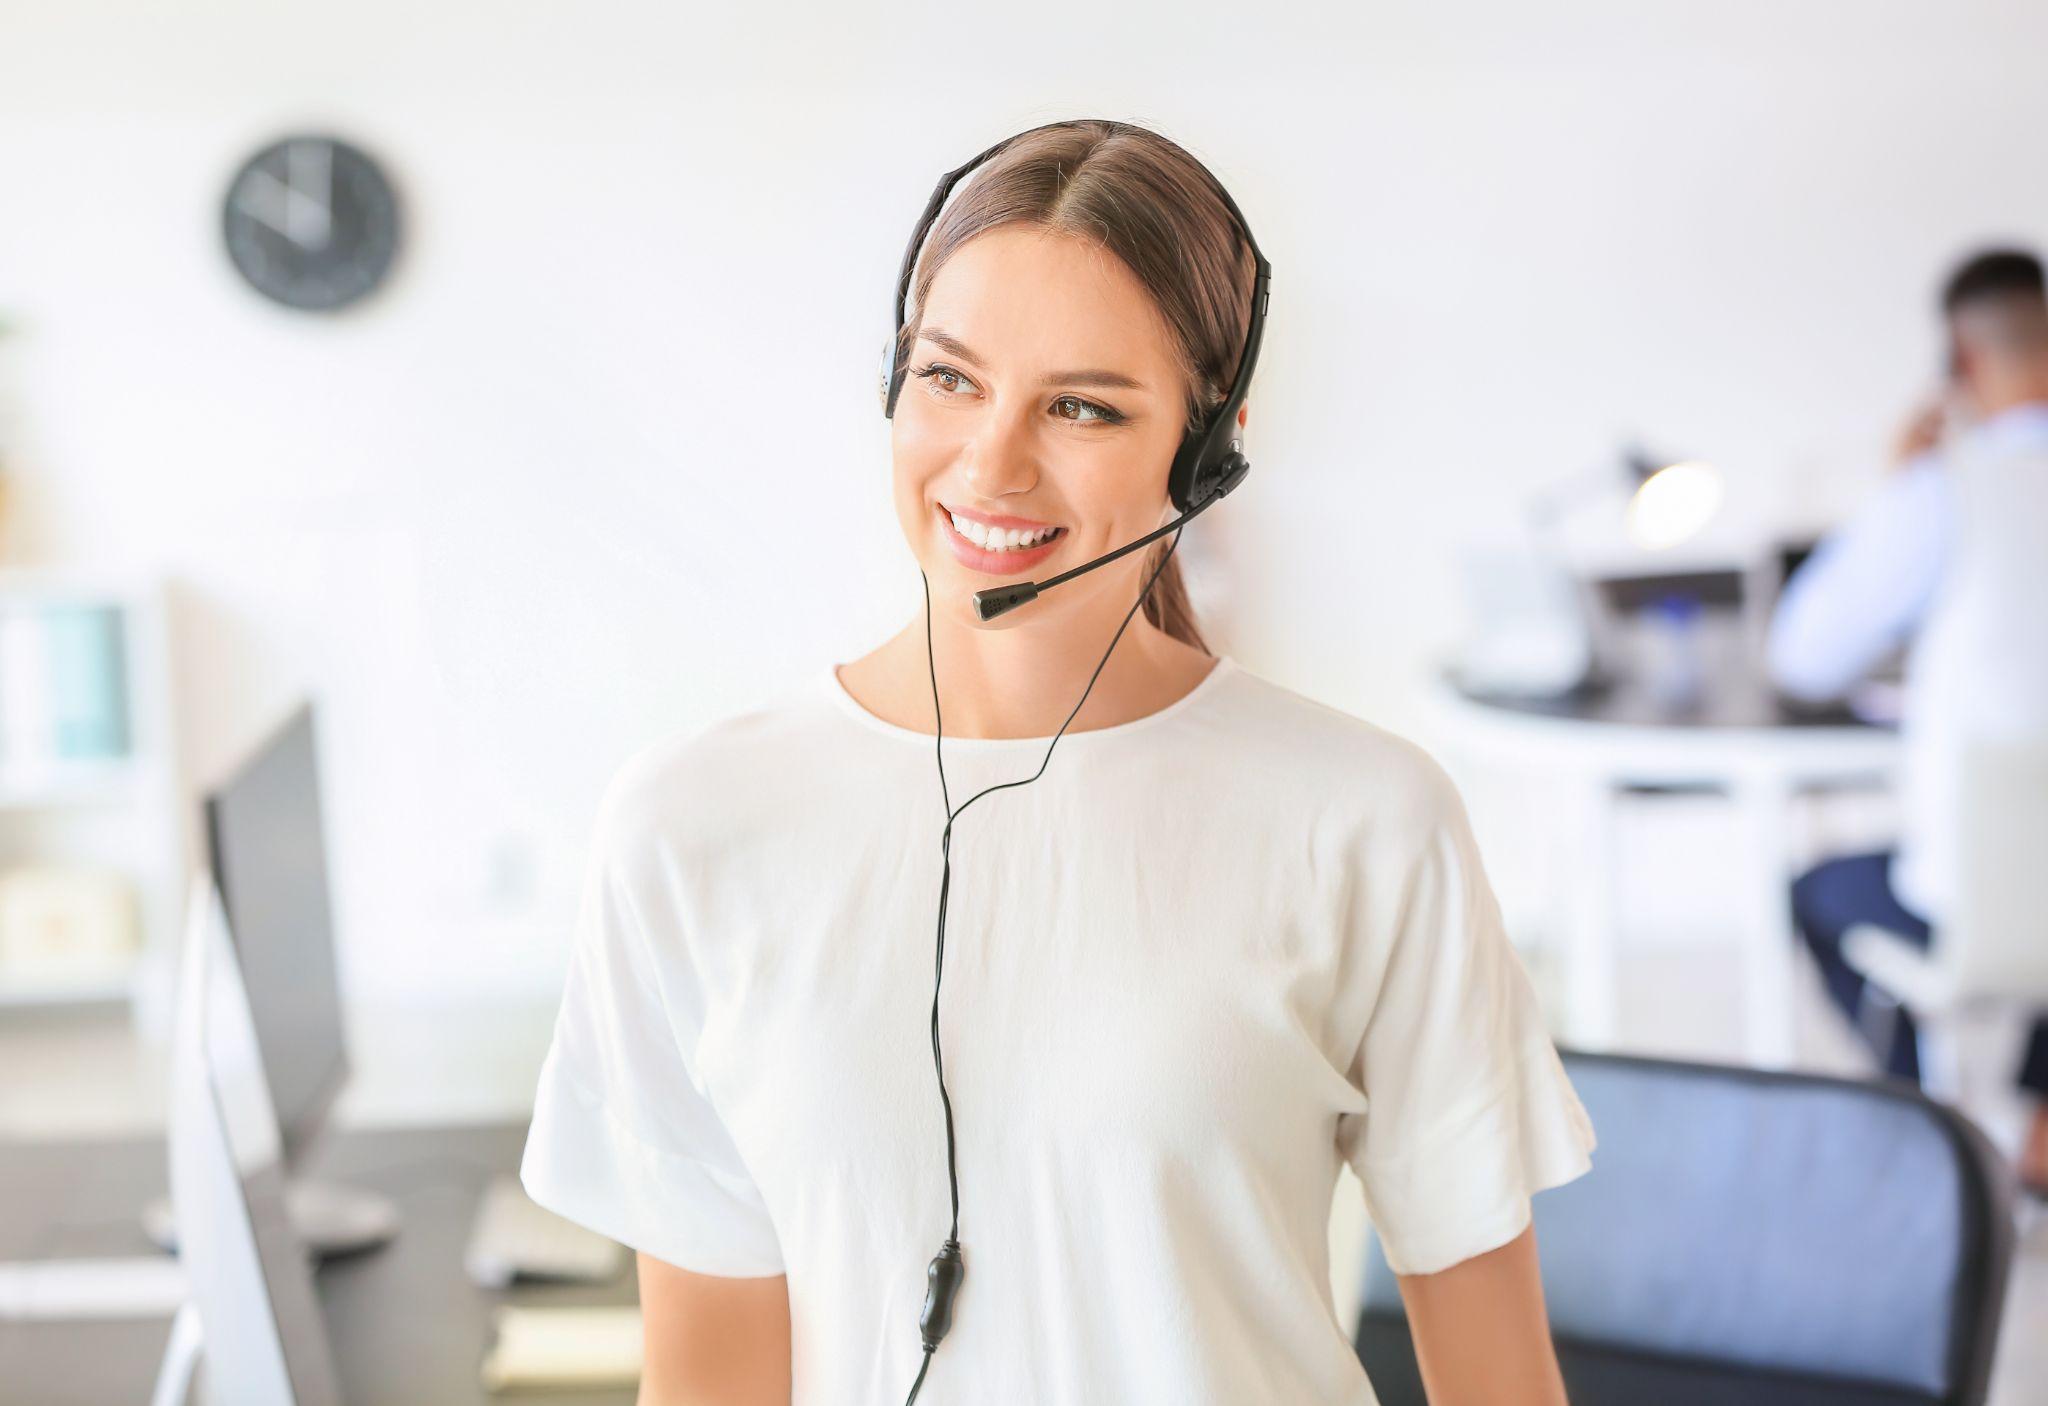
point(505, 520)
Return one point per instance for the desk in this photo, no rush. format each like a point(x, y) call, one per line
point(406, 1324)
point(1741, 740)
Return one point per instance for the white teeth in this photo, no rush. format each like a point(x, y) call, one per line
point(998, 539)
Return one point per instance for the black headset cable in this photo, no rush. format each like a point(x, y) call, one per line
point(947, 1268)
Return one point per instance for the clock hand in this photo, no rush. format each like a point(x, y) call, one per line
point(310, 168)
point(266, 199)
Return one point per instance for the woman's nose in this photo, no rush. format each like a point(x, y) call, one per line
point(1003, 457)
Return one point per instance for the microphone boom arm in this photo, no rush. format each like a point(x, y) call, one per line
point(998, 600)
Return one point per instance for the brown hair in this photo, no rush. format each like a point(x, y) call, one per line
point(1152, 205)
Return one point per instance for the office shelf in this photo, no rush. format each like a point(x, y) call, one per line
point(73, 783)
point(24, 992)
point(130, 813)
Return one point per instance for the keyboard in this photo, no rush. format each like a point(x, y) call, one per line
point(515, 1238)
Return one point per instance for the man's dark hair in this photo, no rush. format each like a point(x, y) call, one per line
point(1994, 273)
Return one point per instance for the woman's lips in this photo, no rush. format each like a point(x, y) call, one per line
point(993, 563)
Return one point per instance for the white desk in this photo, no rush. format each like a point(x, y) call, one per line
point(1742, 742)
point(88, 1074)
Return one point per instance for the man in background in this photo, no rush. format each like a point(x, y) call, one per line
point(1868, 588)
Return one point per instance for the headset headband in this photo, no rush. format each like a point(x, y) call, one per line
point(1198, 466)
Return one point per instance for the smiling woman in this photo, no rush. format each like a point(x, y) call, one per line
point(1238, 942)
point(1096, 273)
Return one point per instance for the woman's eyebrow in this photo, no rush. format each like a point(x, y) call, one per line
point(1117, 379)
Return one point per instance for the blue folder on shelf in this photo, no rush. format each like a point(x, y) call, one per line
point(64, 695)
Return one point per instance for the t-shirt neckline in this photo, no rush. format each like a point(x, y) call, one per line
point(846, 703)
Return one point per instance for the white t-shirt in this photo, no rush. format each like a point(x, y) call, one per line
point(1207, 954)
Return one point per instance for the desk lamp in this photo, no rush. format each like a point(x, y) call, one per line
point(1536, 618)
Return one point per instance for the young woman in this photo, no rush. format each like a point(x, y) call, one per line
point(1208, 938)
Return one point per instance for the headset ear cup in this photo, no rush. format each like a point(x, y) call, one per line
point(1180, 481)
point(1228, 475)
point(888, 370)
point(1215, 479)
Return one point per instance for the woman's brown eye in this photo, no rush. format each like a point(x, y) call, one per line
point(927, 373)
point(1102, 414)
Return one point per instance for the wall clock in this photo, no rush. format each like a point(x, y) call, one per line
point(311, 222)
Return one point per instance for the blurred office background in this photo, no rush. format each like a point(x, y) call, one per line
point(530, 501)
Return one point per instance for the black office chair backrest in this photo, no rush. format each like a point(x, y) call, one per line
point(1747, 1235)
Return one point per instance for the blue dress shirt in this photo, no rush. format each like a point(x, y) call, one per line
point(1867, 586)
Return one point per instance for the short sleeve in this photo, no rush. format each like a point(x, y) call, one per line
point(624, 1138)
point(1468, 1111)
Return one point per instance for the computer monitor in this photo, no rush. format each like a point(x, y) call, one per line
point(1792, 555)
point(267, 856)
point(268, 853)
point(252, 1315)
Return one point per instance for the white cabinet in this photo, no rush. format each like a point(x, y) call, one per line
point(89, 774)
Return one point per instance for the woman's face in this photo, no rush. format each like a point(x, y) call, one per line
point(1042, 391)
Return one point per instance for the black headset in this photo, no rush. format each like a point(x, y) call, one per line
point(1208, 465)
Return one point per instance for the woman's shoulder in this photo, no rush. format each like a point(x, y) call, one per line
point(709, 773)
point(1342, 758)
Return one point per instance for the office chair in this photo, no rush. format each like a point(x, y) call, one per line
point(1756, 1237)
point(1991, 951)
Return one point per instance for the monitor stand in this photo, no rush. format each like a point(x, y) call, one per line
point(330, 1219)
point(181, 1355)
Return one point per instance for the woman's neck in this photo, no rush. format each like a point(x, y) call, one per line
point(991, 686)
